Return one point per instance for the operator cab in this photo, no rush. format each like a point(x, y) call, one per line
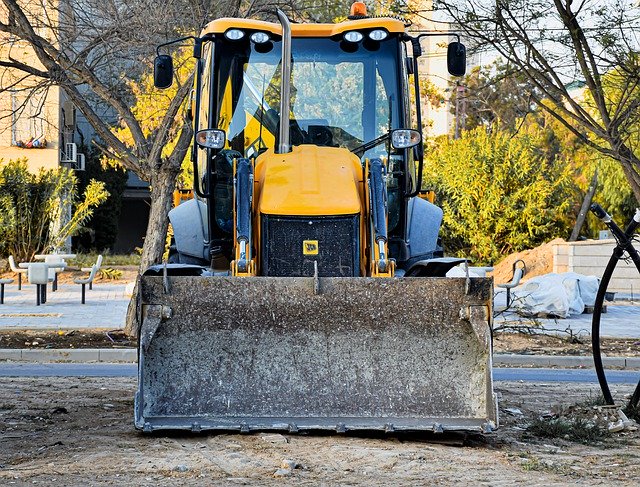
point(349, 88)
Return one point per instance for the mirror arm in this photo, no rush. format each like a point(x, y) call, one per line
point(197, 47)
point(417, 51)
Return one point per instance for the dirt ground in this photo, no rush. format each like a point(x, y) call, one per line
point(78, 431)
point(538, 261)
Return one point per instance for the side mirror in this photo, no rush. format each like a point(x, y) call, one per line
point(405, 138)
point(211, 139)
point(163, 71)
point(457, 59)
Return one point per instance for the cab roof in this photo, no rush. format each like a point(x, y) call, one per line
point(219, 26)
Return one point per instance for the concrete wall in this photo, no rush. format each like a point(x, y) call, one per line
point(590, 257)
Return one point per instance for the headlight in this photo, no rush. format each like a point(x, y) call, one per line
point(260, 37)
point(353, 36)
point(211, 139)
point(234, 34)
point(405, 138)
point(378, 35)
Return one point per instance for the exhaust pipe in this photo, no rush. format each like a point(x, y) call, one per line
point(285, 88)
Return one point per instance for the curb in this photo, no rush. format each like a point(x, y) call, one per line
point(111, 355)
point(130, 355)
point(507, 360)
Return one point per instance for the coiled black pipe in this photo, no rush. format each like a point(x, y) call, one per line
point(624, 244)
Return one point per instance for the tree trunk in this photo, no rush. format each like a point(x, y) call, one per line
point(162, 186)
point(586, 203)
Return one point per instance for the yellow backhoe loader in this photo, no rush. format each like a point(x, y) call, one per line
point(306, 287)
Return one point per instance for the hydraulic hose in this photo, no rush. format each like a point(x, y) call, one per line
point(624, 241)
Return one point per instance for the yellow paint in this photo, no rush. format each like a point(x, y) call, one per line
point(310, 247)
point(220, 26)
point(429, 195)
point(182, 195)
point(309, 181)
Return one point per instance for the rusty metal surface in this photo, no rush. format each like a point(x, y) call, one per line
point(277, 353)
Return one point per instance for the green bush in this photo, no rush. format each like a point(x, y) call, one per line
point(35, 209)
point(499, 193)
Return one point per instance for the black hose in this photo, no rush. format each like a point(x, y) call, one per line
point(624, 243)
point(595, 325)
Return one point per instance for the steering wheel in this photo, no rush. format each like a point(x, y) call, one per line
point(321, 135)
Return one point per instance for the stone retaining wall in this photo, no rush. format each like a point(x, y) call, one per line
point(590, 257)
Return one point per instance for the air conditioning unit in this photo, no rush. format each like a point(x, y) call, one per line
point(70, 154)
point(80, 162)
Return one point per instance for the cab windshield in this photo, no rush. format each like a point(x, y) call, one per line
point(342, 94)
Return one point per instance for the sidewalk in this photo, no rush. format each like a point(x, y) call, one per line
point(622, 320)
point(106, 307)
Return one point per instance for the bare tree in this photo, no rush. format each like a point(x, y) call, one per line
point(93, 49)
point(552, 44)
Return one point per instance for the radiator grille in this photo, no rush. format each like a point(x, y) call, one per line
point(290, 245)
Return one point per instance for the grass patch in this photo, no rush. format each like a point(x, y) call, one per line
point(592, 400)
point(87, 260)
point(576, 429)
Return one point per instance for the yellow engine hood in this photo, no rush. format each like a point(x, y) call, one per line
point(309, 180)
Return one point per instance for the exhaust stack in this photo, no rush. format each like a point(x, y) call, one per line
point(285, 89)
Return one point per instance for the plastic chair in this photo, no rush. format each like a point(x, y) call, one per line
point(2, 284)
point(38, 274)
point(54, 270)
point(17, 270)
point(88, 269)
point(87, 280)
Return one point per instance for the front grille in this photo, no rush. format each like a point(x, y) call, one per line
point(291, 245)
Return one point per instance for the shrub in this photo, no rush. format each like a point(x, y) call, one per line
point(499, 193)
point(35, 209)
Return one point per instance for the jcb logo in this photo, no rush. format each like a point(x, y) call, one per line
point(310, 247)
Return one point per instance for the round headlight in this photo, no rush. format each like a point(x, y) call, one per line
point(378, 35)
point(234, 34)
point(260, 37)
point(353, 36)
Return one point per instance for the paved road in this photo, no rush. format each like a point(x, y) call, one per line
point(129, 370)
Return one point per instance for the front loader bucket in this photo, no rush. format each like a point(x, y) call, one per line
point(268, 353)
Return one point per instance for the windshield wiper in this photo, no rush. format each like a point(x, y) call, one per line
point(361, 149)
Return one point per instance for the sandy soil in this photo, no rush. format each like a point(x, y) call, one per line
point(78, 431)
point(539, 261)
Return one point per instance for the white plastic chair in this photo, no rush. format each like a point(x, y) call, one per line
point(89, 269)
point(17, 270)
point(38, 274)
point(3, 282)
point(87, 280)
